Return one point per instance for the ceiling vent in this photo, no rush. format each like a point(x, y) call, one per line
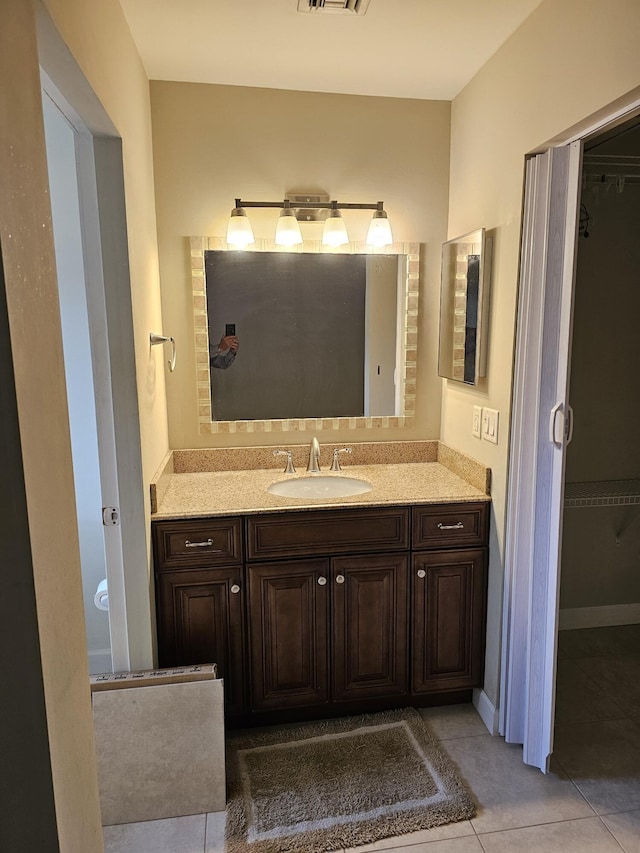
point(340, 7)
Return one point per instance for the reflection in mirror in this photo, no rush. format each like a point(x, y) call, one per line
point(317, 334)
point(326, 339)
point(466, 266)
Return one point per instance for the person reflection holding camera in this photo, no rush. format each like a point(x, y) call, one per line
point(224, 354)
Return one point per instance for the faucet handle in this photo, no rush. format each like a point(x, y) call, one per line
point(289, 469)
point(335, 465)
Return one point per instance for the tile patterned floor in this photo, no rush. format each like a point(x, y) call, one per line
point(589, 803)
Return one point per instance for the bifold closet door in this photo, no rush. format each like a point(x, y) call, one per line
point(540, 425)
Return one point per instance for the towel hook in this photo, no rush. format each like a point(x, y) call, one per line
point(161, 339)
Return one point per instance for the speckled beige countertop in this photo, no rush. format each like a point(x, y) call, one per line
point(210, 493)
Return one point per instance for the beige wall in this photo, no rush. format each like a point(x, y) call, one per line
point(36, 342)
point(566, 62)
point(213, 144)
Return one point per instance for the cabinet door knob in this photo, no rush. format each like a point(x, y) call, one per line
point(421, 573)
point(339, 578)
point(322, 580)
point(235, 589)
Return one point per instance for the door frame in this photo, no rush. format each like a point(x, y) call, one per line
point(532, 573)
point(103, 219)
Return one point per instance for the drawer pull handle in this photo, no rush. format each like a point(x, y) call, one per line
point(457, 526)
point(189, 544)
point(339, 578)
point(322, 580)
point(421, 573)
point(235, 589)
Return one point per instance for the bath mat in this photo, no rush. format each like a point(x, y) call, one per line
point(338, 783)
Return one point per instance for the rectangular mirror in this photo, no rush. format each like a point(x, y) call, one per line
point(328, 338)
point(464, 303)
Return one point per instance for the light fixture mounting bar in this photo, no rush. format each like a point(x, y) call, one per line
point(310, 205)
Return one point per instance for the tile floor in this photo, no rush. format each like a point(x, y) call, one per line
point(588, 803)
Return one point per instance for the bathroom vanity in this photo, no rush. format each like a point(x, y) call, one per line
point(363, 603)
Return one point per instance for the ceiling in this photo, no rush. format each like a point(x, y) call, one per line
point(399, 48)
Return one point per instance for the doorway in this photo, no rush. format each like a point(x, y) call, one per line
point(114, 401)
point(599, 639)
point(60, 138)
point(542, 426)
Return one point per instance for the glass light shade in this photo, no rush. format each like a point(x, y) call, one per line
point(239, 232)
point(334, 232)
point(287, 229)
point(379, 233)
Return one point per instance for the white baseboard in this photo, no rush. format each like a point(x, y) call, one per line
point(599, 617)
point(100, 661)
point(487, 710)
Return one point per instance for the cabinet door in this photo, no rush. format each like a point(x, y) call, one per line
point(448, 625)
point(370, 604)
point(288, 618)
point(200, 620)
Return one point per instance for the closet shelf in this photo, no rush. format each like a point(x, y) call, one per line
point(602, 493)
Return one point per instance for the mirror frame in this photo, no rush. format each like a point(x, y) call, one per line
point(409, 348)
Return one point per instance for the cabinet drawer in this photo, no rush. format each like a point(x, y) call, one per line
point(462, 525)
point(189, 544)
point(298, 534)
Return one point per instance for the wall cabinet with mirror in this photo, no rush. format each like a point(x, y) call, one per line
point(322, 335)
point(464, 307)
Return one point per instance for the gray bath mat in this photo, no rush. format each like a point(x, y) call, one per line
point(338, 783)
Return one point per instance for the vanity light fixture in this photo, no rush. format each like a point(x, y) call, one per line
point(379, 233)
point(239, 231)
point(287, 229)
point(334, 232)
point(240, 234)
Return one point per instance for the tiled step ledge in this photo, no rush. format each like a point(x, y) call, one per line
point(364, 453)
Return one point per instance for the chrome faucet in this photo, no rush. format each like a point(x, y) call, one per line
point(314, 456)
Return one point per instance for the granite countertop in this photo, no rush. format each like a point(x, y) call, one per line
point(211, 493)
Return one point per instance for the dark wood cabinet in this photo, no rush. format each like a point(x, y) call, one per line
point(321, 612)
point(297, 607)
point(463, 525)
point(201, 620)
point(447, 620)
point(448, 596)
point(288, 634)
point(369, 614)
point(189, 543)
point(310, 533)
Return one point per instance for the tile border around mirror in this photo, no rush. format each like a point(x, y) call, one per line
point(198, 246)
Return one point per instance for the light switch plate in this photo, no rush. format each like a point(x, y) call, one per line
point(490, 419)
point(476, 427)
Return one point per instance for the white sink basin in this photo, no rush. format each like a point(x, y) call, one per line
point(317, 487)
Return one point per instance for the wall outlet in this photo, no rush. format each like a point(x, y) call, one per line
point(490, 425)
point(476, 427)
